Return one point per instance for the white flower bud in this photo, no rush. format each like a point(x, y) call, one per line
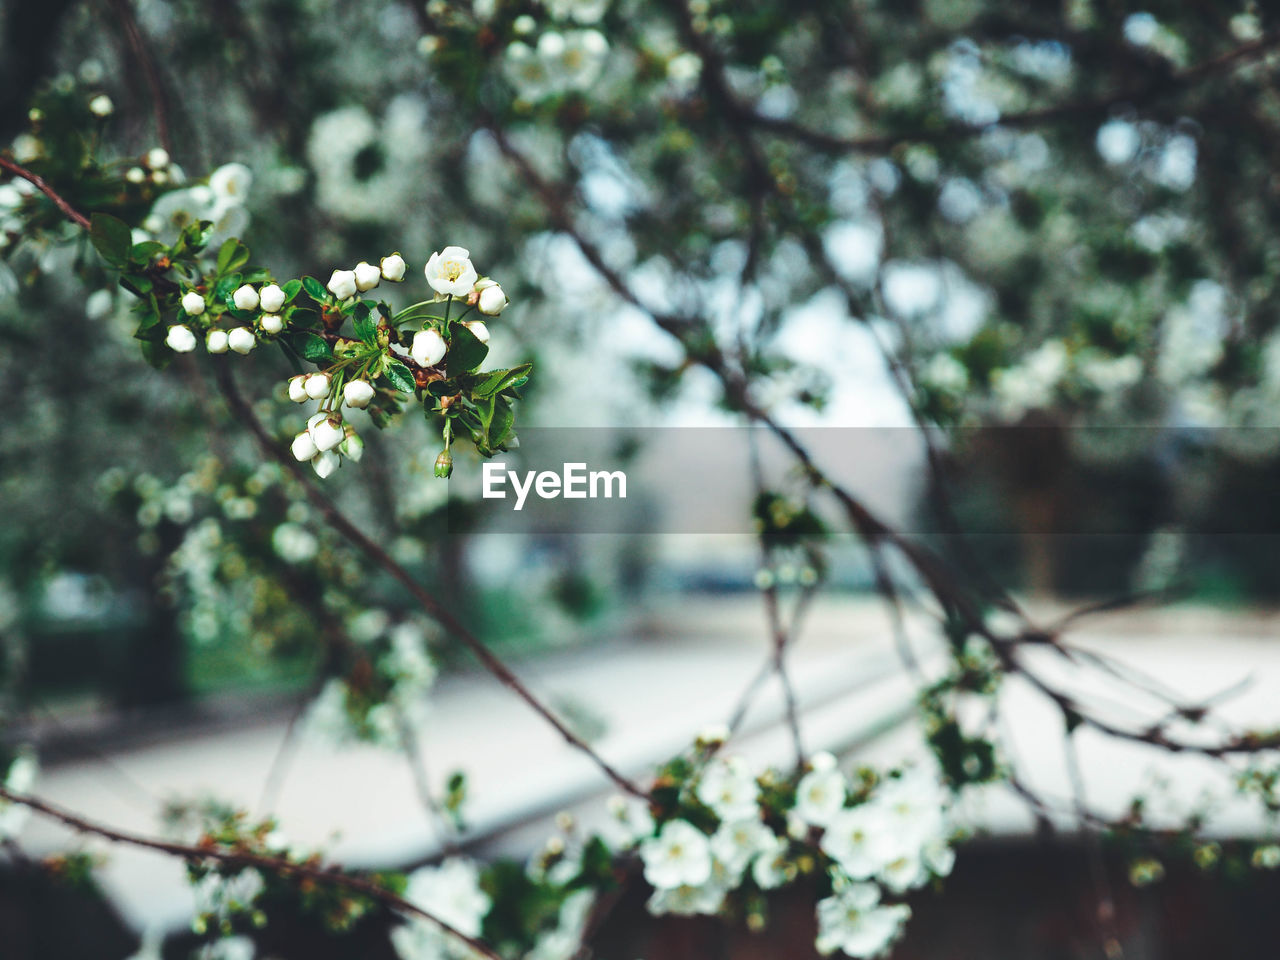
point(352, 447)
point(357, 393)
point(317, 417)
point(157, 158)
point(478, 330)
point(271, 298)
point(136, 175)
point(241, 340)
point(159, 176)
point(245, 298)
point(492, 300)
point(303, 447)
point(367, 276)
point(343, 284)
point(180, 339)
point(317, 386)
point(216, 342)
point(298, 388)
point(324, 463)
point(428, 348)
point(192, 303)
point(101, 106)
point(327, 434)
point(393, 268)
point(271, 323)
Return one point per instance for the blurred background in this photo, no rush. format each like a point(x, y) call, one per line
point(1011, 269)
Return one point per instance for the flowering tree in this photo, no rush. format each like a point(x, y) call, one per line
point(1047, 210)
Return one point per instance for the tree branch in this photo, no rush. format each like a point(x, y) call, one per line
point(331, 875)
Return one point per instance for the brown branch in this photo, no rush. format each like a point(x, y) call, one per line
point(159, 98)
point(68, 211)
point(331, 875)
point(374, 552)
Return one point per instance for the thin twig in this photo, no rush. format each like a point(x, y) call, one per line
point(68, 211)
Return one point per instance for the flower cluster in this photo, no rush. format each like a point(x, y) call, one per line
point(350, 380)
point(221, 201)
point(558, 63)
point(452, 893)
point(733, 830)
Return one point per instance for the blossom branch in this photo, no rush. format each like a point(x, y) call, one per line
point(206, 852)
point(68, 211)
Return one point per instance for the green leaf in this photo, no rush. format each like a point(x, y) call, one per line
point(465, 351)
point(291, 290)
point(495, 381)
point(232, 256)
point(315, 289)
point(366, 328)
point(111, 237)
point(138, 284)
point(501, 424)
point(311, 346)
point(400, 376)
point(303, 317)
point(143, 253)
point(156, 354)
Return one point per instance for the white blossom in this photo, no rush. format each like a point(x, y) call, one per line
point(327, 434)
point(771, 869)
point(449, 272)
point(324, 463)
point(820, 795)
point(680, 855)
point(101, 106)
point(856, 838)
point(272, 323)
point(342, 284)
point(478, 329)
point(352, 447)
point(737, 842)
point(317, 386)
point(583, 11)
point(157, 158)
point(303, 447)
point(687, 900)
point(241, 340)
point(357, 393)
point(193, 303)
point(854, 922)
point(452, 893)
point(428, 348)
point(216, 341)
point(180, 339)
point(271, 298)
point(294, 543)
point(230, 183)
point(728, 788)
point(367, 276)
point(393, 268)
point(491, 300)
point(245, 297)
